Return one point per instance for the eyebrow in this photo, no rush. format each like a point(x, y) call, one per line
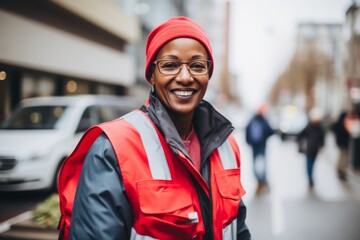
point(174, 57)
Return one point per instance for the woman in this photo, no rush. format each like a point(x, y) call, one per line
point(313, 137)
point(171, 170)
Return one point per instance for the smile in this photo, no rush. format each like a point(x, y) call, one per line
point(183, 93)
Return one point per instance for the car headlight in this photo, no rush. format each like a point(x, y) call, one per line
point(37, 156)
point(284, 127)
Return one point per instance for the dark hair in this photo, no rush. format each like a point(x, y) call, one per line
point(151, 70)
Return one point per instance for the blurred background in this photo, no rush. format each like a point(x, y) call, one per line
point(292, 55)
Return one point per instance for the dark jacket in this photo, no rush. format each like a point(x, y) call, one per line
point(93, 214)
point(342, 136)
point(263, 127)
point(314, 136)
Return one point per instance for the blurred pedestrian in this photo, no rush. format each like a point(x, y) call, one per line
point(342, 138)
point(170, 170)
point(352, 123)
point(311, 139)
point(257, 132)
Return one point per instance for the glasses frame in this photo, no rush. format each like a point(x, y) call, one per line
point(209, 63)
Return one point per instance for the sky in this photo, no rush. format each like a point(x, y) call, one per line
point(262, 39)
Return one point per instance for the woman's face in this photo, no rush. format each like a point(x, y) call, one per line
point(180, 93)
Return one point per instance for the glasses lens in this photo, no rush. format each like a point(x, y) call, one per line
point(196, 68)
point(169, 67)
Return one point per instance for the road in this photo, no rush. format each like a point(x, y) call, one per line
point(14, 203)
point(289, 210)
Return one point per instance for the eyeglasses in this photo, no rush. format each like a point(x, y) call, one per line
point(173, 67)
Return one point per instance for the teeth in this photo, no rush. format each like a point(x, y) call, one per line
point(183, 93)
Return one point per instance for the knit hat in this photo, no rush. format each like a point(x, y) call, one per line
point(175, 27)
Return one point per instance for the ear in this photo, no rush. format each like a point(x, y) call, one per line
point(152, 79)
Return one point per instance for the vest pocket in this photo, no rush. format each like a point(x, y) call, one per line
point(230, 191)
point(164, 197)
point(170, 208)
point(228, 182)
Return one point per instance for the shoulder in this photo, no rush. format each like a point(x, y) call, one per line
point(101, 156)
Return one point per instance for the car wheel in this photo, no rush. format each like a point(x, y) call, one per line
point(283, 136)
point(56, 177)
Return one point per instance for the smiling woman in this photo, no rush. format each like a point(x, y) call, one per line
point(170, 170)
point(174, 82)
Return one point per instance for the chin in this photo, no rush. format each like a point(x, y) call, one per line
point(183, 109)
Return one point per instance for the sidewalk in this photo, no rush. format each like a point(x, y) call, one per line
point(292, 211)
point(22, 228)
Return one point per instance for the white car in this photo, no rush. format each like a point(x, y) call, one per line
point(43, 131)
point(292, 121)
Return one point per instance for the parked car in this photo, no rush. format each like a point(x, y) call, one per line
point(43, 131)
point(291, 121)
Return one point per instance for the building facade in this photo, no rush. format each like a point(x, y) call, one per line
point(67, 47)
point(63, 48)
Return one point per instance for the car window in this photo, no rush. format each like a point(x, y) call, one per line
point(98, 114)
point(39, 117)
point(88, 119)
point(108, 113)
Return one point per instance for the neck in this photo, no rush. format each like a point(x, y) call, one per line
point(183, 125)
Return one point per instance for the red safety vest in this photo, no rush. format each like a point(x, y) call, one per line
point(163, 197)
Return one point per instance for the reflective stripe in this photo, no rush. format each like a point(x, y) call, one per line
point(229, 232)
point(227, 155)
point(136, 236)
point(154, 151)
point(159, 167)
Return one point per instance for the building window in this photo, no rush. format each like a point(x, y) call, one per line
point(34, 86)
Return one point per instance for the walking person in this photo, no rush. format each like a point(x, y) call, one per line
point(311, 140)
point(257, 132)
point(342, 138)
point(170, 170)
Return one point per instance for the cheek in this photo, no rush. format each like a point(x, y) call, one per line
point(205, 84)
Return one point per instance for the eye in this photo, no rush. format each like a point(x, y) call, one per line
point(169, 65)
point(198, 66)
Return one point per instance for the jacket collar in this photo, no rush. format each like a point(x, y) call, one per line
point(212, 127)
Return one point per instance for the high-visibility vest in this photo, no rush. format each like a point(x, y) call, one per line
point(157, 181)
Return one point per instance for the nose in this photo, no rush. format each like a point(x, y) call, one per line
point(184, 74)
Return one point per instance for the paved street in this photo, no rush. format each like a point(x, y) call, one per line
point(290, 211)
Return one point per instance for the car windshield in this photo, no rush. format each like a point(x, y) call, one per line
point(38, 117)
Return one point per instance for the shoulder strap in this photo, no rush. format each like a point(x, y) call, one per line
point(150, 137)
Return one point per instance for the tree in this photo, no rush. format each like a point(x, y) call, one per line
point(307, 67)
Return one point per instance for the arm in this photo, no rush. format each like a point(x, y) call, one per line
point(101, 209)
point(301, 134)
point(269, 130)
point(243, 232)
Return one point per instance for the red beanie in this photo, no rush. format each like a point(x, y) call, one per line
point(175, 27)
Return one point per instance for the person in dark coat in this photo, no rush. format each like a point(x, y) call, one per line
point(313, 137)
point(342, 138)
point(258, 130)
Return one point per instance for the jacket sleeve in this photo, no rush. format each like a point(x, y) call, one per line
point(269, 130)
point(101, 209)
point(243, 232)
